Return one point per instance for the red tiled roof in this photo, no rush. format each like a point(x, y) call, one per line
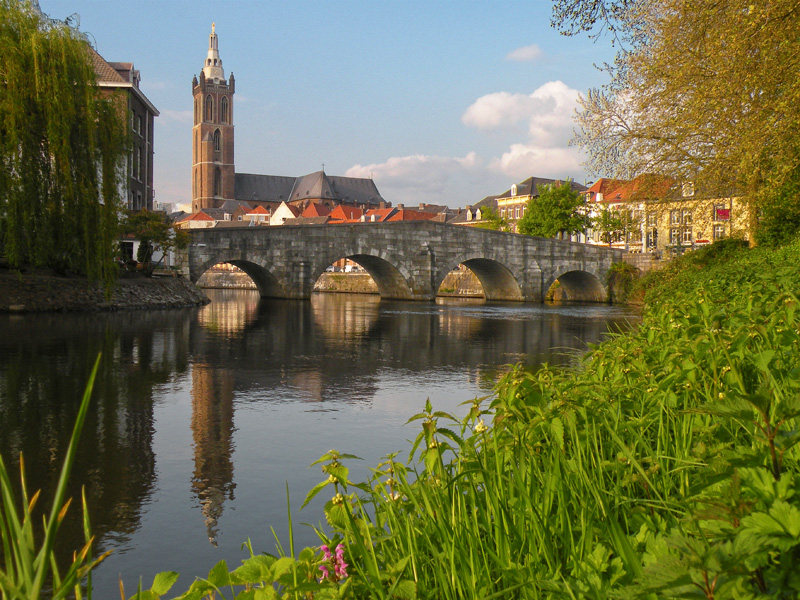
point(603, 186)
point(380, 214)
point(258, 210)
point(344, 213)
point(411, 215)
point(643, 186)
point(198, 216)
point(316, 209)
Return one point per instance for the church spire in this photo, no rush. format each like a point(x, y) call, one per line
point(213, 67)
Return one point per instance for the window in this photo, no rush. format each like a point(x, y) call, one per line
point(687, 235)
point(721, 213)
point(652, 219)
point(687, 216)
point(223, 105)
point(503, 213)
point(636, 236)
point(139, 124)
point(217, 182)
point(719, 232)
point(209, 108)
point(137, 164)
point(675, 217)
point(216, 140)
point(652, 239)
point(674, 236)
point(516, 212)
point(226, 217)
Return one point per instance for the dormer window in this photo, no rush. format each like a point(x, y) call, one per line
point(514, 190)
point(469, 215)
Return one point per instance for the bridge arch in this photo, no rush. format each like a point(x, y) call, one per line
point(389, 274)
point(579, 285)
point(268, 285)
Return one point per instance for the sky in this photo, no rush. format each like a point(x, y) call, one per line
point(439, 101)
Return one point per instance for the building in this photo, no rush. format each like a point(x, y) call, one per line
point(214, 176)
point(122, 77)
point(511, 204)
point(660, 215)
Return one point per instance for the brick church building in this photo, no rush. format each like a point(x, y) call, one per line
point(214, 176)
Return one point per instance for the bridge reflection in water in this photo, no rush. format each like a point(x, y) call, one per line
point(202, 416)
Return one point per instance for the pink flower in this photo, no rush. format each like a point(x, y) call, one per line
point(336, 562)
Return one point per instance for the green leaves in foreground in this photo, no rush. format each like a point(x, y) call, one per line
point(30, 565)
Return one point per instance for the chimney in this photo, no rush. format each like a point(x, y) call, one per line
point(381, 205)
point(400, 207)
point(422, 206)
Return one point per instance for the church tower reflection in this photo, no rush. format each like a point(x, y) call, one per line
point(212, 434)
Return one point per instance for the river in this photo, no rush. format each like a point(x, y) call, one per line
point(203, 418)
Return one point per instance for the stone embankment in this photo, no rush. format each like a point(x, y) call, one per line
point(36, 292)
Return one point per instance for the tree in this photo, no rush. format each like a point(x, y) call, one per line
point(700, 90)
point(154, 233)
point(557, 209)
point(612, 225)
point(61, 149)
point(491, 220)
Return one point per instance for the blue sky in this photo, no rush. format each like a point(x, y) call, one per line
point(439, 101)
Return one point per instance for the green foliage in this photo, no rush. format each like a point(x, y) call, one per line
point(612, 225)
point(155, 233)
point(620, 280)
point(779, 222)
point(491, 220)
point(61, 149)
point(701, 91)
point(555, 210)
point(29, 565)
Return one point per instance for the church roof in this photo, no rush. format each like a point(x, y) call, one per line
point(316, 186)
point(262, 188)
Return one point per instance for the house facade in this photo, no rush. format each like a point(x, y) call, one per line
point(659, 215)
point(123, 78)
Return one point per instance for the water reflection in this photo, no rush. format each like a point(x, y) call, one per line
point(212, 436)
point(240, 396)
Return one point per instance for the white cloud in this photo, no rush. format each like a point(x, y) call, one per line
point(536, 127)
point(525, 54)
point(423, 178)
point(416, 172)
point(541, 122)
point(526, 160)
point(546, 113)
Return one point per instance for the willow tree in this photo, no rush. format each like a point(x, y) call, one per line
point(62, 148)
point(700, 89)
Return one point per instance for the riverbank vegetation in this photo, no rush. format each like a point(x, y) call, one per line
point(664, 464)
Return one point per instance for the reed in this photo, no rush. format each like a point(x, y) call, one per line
point(29, 562)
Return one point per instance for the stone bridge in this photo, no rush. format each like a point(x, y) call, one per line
point(408, 260)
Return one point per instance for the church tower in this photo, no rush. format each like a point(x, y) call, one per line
point(212, 135)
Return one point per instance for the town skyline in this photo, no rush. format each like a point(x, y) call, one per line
point(436, 105)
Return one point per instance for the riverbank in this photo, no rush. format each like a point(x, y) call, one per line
point(45, 292)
